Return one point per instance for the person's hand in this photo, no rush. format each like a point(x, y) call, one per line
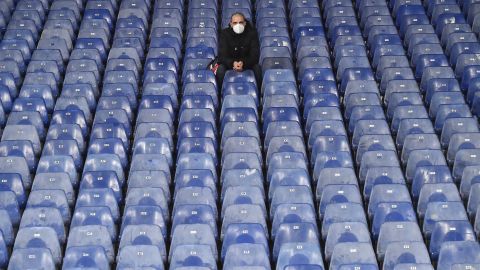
point(238, 65)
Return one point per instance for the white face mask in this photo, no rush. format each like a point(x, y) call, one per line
point(238, 28)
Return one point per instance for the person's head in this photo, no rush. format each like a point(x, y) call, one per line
point(238, 22)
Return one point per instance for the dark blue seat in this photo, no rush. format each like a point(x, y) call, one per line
point(372, 159)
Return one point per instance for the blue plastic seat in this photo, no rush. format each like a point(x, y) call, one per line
point(458, 253)
point(372, 159)
point(183, 236)
point(468, 179)
point(399, 254)
point(373, 143)
point(342, 212)
point(243, 195)
point(438, 212)
point(192, 257)
point(139, 256)
point(196, 161)
point(39, 237)
point(90, 236)
point(16, 165)
point(143, 215)
point(115, 103)
point(292, 213)
point(44, 217)
point(429, 175)
point(86, 257)
point(449, 231)
point(354, 254)
point(397, 232)
point(384, 194)
point(103, 197)
point(304, 254)
point(105, 162)
point(293, 233)
point(369, 127)
point(407, 112)
point(367, 113)
point(345, 232)
point(50, 198)
point(145, 179)
point(334, 176)
point(30, 257)
point(325, 160)
point(413, 142)
point(332, 194)
point(147, 197)
point(243, 214)
point(246, 255)
point(236, 234)
point(155, 116)
point(421, 158)
point(6, 229)
point(464, 158)
point(141, 235)
point(20, 148)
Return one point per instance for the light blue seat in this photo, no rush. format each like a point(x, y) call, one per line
point(372, 159)
point(345, 232)
point(398, 254)
point(192, 257)
point(458, 252)
point(105, 162)
point(332, 194)
point(429, 175)
point(30, 257)
point(294, 233)
point(243, 195)
point(442, 211)
point(463, 159)
point(358, 254)
point(342, 212)
point(143, 235)
point(421, 158)
point(143, 215)
point(91, 236)
point(397, 232)
point(139, 256)
point(303, 254)
point(85, 257)
point(193, 234)
point(44, 217)
point(244, 234)
point(243, 214)
point(246, 255)
point(103, 197)
point(40, 238)
point(449, 231)
point(414, 142)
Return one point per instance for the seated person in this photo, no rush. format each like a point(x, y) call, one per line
point(238, 49)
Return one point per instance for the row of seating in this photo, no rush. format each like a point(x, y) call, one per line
point(38, 71)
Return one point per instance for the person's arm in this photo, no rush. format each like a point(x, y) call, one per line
point(224, 56)
point(254, 54)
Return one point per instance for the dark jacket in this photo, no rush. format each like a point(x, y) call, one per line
point(239, 47)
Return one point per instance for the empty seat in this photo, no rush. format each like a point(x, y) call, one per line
point(139, 256)
point(357, 254)
point(31, 258)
